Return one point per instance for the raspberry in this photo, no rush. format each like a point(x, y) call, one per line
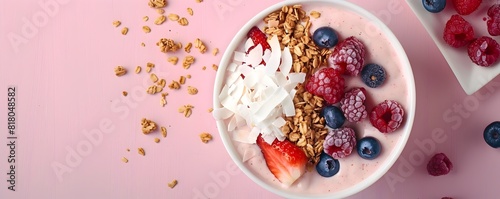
point(328, 84)
point(339, 142)
point(353, 105)
point(484, 51)
point(458, 32)
point(493, 22)
point(465, 7)
point(387, 116)
point(348, 57)
point(439, 165)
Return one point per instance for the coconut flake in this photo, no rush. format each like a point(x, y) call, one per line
point(254, 57)
point(248, 44)
point(286, 61)
point(239, 56)
point(274, 61)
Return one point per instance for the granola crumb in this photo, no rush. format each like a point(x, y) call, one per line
point(188, 60)
point(315, 14)
point(138, 69)
point(124, 159)
point(215, 67)
point(205, 137)
point(163, 100)
point(141, 151)
point(120, 71)
point(182, 80)
point(163, 132)
point(153, 78)
point(143, 44)
point(199, 1)
point(175, 85)
point(149, 67)
point(157, 3)
point(186, 110)
point(173, 17)
point(215, 51)
point(160, 20)
point(188, 47)
point(173, 60)
point(117, 23)
point(204, 68)
point(145, 18)
point(124, 30)
point(183, 21)
point(190, 11)
point(125, 93)
point(210, 110)
point(172, 184)
point(200, 45)
point(160, 11)
point(128, 150)
point(157, 140)
point(192, 90)
point(148, 126)
point(146, 29)
point(168, 45)
point(188, 76)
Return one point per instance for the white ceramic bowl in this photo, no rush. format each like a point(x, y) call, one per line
point(405, 73)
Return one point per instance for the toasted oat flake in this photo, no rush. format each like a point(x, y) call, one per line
point(203, 68)
point(168, 45)
point(120, 71)
point(146, 29)
point(188, 76)
point(199, 1)
point(143, 44)
point(124, 159)
point(145, 18)
point(190, 11)
point(153, 77)
point(186, 110)
point(157, 3)
point(173, 17)
point(215, 51)
point(210, 110)
point(125, 93)
point(315, 14)
point(141, 151)
point(182, 80)
point(162, 83)
point(175, 85)
point(200, 45)
point(173, 60)
point(192, 90)
point(163, 101)
point(188, 60)
point(117, 23)
point(149, 67)
point(183, 21)
point(157, 140)
point(124, 30)
point(205, 137)
point(154, 89)
point(138, 69)
point(188, 47)
point(160, 11)
point(160, 19)
point(215, 67)
point(172, 184)
point(163, 131)
point(148, 126)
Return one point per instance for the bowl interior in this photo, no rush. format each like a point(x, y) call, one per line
point(369, 29)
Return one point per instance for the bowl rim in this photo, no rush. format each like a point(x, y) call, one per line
point(410, 110)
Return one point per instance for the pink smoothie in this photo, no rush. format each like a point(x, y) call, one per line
point(353, 169)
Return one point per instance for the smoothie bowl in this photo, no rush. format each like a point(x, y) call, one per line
point(314, 99)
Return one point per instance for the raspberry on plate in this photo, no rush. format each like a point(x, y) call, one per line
point(493, 22)
point(353, 105)
point(439, 165)
point(465, 7)
point(348, 56)
point(458, 32)
point(387, 116)
point(328, 84)
point(340, 142)
point(484, 51)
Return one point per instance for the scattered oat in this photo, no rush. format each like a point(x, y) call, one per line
point(210, 110)
point(188, 60)
point(143, 44)
point(160, 11)
point(153, 77)
point(168, 45)
point(163, 131)
point(173, 17)
point(173, 60)
point(157, 140)
point(200, 45)
point(190, 11)
point(146, 29)
point(160, 20)
point(124, 159)
point(124, 30)
point(215, 67)
point(162, 83)
point(148, 126)
point(149, 67)
point(199, 1)
point(188, 47)
point(172, 184)
point(157, 3)
point(174, 85)
point(186, 109)
point(128, 150)
point(163, 101)
point(182, 80)
point(141, 151)
point(117, 23)
point(125, 93)
point(188, 76)
point(215, 51)
point(192, 90)
point(183, 21)
point(120, 71)
point(205, 137)
point(145, 18)
point(204, 68)
point(315, 14)
point(154, 89)
point(138, 69)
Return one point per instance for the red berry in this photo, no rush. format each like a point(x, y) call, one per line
point(493, 22)
point(484, 51)
point(340, 142)
point(387, 116)
point(353, 105)
point(439, 165)
point(465, 7)
point(348, 57)
point(458, 32)
point(258, 37)
point(328, 84)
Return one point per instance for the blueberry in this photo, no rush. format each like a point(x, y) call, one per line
point(325, 37)
point(492, 134)
point(373, 75)
point(334, 118)
point(434, 6)
point(327, 166)
point(368, 148)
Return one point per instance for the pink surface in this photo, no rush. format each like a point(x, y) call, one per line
point(66, 88)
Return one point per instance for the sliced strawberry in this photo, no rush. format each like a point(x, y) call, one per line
point(284, 159)
point(258, 37)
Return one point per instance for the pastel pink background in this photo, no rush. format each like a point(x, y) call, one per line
point(66, 86)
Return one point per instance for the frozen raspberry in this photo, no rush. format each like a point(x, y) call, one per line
point(348, 57)
point(439, 165)
point(493, 22)
point(328, 84)
point(387, 116)
point(353, 105)
point(458, 32)
point(465, 7)
point(339, 142)
point(484, 51)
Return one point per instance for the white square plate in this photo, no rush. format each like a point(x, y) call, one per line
point(471, 76)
